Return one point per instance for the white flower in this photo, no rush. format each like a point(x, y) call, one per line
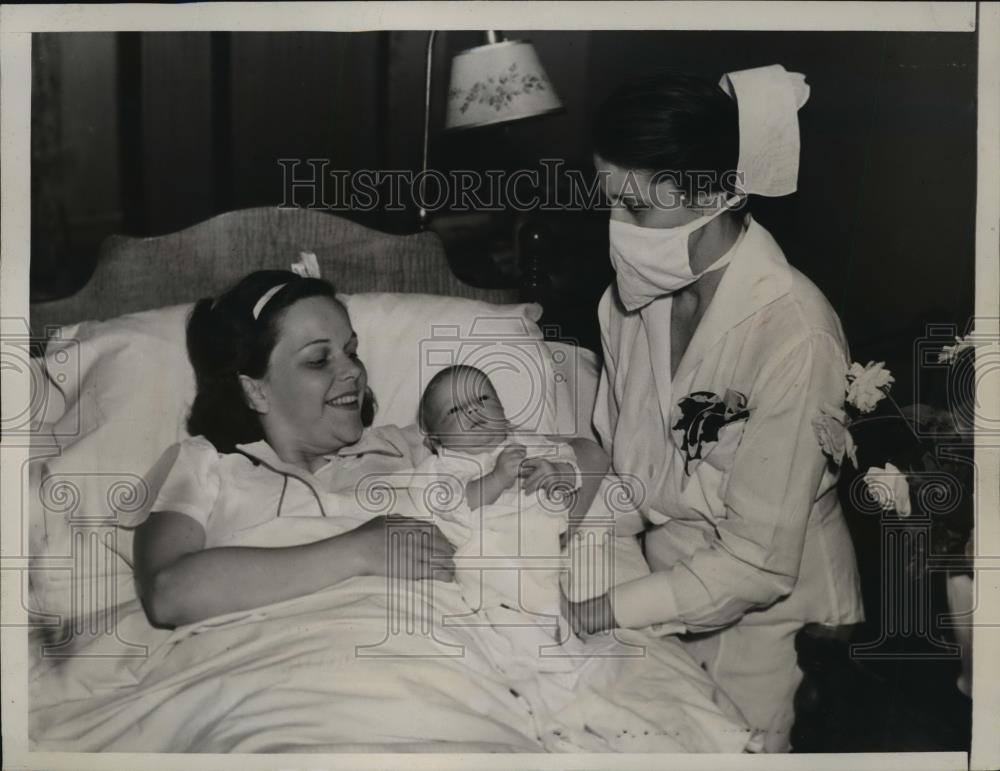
point(950, 353)
point(889, 487)
point(834, 438)
point(868, 385)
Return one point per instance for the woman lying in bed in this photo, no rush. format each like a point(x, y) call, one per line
point(279, 448)
point(278, 421)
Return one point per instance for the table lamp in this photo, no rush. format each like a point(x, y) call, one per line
point(499, 82)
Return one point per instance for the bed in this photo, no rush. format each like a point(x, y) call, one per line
point(322, 673)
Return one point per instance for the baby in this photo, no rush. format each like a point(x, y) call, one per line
point(502, 498)
point(467, 429)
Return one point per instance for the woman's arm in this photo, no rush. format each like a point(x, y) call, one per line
point(181, 582)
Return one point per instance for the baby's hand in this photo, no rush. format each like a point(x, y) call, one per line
point(556, 480)
point(508, 463)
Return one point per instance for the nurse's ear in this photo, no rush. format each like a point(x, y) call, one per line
point(256, 394)
point(687, 202)
point(703, 202)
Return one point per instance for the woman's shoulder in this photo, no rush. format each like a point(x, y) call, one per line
point(197, 455)
point(197, 444)
point(197, 450)
point(190, 454)
point(806, 319)
point(186, 478)
point(795, 310)
point(801, 322)
point(809, 302)
point(798, 309)
point(798, 319)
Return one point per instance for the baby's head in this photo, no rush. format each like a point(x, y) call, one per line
point(460, 410)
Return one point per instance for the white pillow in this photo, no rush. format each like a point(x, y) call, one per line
point(127, 385)
point(130, 384)
point(405, 339)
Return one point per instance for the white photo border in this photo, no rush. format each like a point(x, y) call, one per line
point(17, 23)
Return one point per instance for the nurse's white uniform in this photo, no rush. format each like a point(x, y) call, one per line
point(747, 535)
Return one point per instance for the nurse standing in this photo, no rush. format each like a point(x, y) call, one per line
point(717, 355)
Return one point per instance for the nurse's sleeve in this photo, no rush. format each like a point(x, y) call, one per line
point(605, 416)
point(774, 481)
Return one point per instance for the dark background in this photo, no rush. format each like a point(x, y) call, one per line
point(146, 133)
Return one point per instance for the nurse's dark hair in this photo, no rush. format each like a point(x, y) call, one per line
point(674, 123)
point(224, 341)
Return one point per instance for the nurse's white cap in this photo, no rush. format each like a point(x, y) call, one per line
point(768, 100)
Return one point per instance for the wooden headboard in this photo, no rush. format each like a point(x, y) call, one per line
point(135, 274)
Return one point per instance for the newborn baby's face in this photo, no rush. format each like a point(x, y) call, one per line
point(467, 415)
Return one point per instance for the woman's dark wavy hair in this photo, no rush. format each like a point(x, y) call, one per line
point(225, 341)
point(669, 121)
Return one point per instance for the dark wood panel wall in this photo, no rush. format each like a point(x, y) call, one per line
point(883, 221)
point(176, 149)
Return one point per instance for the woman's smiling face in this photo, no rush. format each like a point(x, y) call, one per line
point(310, 398)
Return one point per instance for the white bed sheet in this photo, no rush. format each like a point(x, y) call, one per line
point(326, 673)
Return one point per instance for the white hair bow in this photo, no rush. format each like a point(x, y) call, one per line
point(306, 267)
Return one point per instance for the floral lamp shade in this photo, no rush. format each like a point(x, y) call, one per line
point(497, 83)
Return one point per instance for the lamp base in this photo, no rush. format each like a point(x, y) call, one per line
point(535, 253)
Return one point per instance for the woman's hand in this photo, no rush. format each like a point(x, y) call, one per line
point(590, 616)
point(423, 551)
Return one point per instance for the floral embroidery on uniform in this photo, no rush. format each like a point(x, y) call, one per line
point(702, 415)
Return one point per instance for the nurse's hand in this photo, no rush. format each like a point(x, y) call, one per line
point(417, 550)
point(590, 616)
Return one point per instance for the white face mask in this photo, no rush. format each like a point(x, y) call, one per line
point(652, 262)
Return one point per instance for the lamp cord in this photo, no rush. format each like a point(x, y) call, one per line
point(427, 124)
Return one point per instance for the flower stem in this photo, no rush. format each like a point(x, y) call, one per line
point(899, 411)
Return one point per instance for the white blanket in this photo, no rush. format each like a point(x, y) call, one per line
point(508, 566)
point(352, 669)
